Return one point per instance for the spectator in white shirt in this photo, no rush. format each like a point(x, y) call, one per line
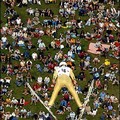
point(30, 11)
point(88, 23)
point(112, 97)
point(47, 80)
point(4, 40)
point(34, 56)
point(7, 80)
point(94, 112)
point(39, 80)
point(42, 46)
point(14, 101)
point(23, 112)
point(18, 21)
point(70, 53)
point(1, 81)
point(24, 2)
point(72, 115)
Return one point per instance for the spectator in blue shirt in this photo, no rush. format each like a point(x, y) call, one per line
point(103, 117)
point(110, 107)
point(63, 103)
point(38, 66)
point(96, 76)
point(102, 96)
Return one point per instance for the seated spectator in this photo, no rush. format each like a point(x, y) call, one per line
point(102, 96)
point(98, 84)
point(29, 77)
point(88, 36)
point(94, 69)
point(66, 96)
point(96, 60)
point(22, 63)
point(36, 22)
point(19, 79)
point(39, 80)
point(78, 89)
point(4, 90)
point(42, 46)
point(60, 110)
point(96, 103)
point(14, 102)
point(81, 76)
point(103, 116)
point(4, 41)
point(8, 102)
point(3, 57)
point(52, 44)
point(71, 54)
point(29, 114)
point(34, 56)
point(35, 116)
point(105, 87)
point(46, 80)
point(26, 91)
point(113, 99)
point(36, 87)
point(88, 109)
point(94, 112)
point(33, 99)
point(115, 81)
point(78, 49)
point(68, 108)
point(57, 43)
point(23, 113)
point(96, 75)
point(72, 115)
point(16, 55)
point(9, 93)
point(86, 64)
point(30, 11)
point(7, 81)
point(22, 102)
point(110, 107)
point(28, 64)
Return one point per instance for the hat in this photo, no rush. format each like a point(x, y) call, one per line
point(63, 64)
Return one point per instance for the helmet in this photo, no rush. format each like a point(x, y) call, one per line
point(63, 64)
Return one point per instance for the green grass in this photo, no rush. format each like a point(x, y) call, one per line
point(17, 91)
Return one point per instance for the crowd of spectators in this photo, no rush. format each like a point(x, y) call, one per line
point(28, 51)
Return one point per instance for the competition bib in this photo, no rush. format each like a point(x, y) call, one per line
point(63, 70)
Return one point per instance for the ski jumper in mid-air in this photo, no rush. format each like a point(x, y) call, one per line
point(64, 77)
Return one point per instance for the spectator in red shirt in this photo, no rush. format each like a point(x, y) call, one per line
point(81, 54)
point(66, 96)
